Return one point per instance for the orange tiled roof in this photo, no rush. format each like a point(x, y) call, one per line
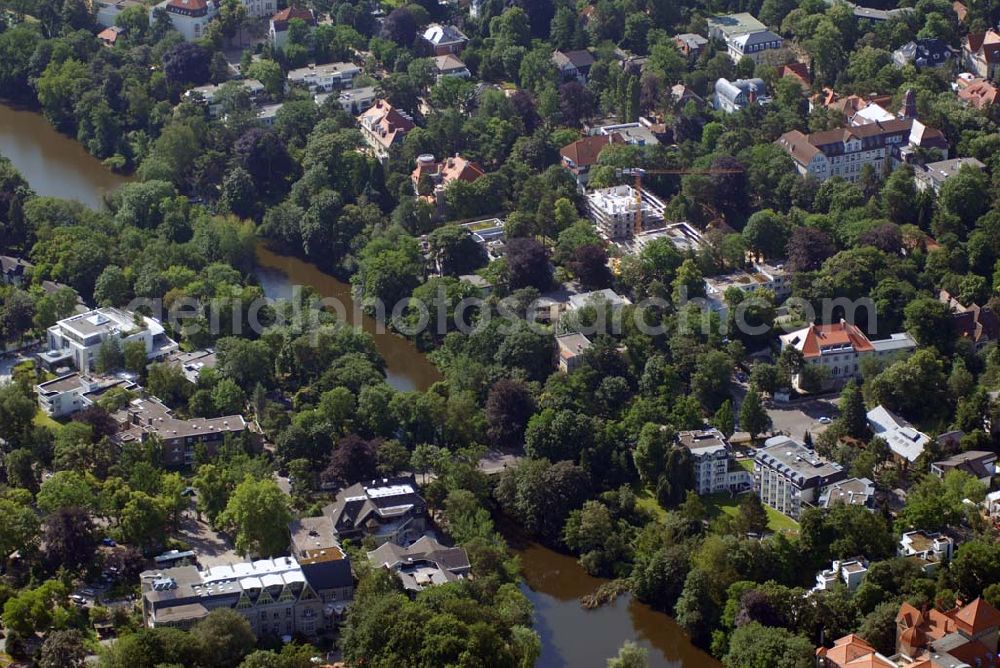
point(836, 334)
point(584, 152)
point(976, 617)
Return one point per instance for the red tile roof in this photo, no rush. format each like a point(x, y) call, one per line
point(584, 152)
point(976, 617)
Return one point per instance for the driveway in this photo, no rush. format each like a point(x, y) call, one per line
point(212, 547)
point(496, 462)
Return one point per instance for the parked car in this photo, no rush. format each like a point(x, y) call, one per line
point(825, 420)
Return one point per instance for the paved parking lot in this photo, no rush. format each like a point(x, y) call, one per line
point(212, 547)
point(798, 418)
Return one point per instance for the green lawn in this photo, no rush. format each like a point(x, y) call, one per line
point(723, 503)
point(746, 463)
point(43, 420)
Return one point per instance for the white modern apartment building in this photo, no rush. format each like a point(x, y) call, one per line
point(324, 78)
point(715, 470)
point(841, 346)
point(789, 476)
point(926, 549)
point(77, 339)
point(72, 392)
point(744, 36)
point(906, 441)
point(851, 572)
point(614, 210)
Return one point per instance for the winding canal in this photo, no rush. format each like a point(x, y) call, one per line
point(572, 637)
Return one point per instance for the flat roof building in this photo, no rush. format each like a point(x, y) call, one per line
point(614, 210)
point(788, 475)
point(76, 340)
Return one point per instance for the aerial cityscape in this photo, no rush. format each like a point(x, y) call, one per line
point(499, 333)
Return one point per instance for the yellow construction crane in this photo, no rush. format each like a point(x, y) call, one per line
point(639, 172)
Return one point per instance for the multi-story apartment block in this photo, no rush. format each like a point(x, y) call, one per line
point(206, 94)
point(324, 78)
point(145, 417)
point(278, 596)
point(614, 210)
point(714, 467)
point(840, 347)
point(76, 340)
point(73, 392)
point(845, 151)
point(788, 476)
point(744, 36)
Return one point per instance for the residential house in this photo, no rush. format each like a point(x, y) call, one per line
point(76, 340)
point(259, 9)
point(387, 510)
point(715, 469)
point(682, 94)
point(978, 324)
point(384, 126)
point(980, 464)
point(423, 564)
point(614, 211)
point(933, 175)
point(744, 36)
point(192, 363)
point(208, 93)
point(106, 12)
point(851, 572)
point(992, 504)
point(582, 154)
point(764, 277)
point(962, 637)
point(690, 44)
point(180, 440)
point(633, 134)
point(278, 597)
point(449, 65)
point(789, 477)
point(278, 27)
point(440, 174)
point(926, 549)
point(732, 96)
point(354, 100)
point(324, 78)
point(110, 35)
point(850, 492)
point(798, 72)
point(845, 151)
point(573, 65)
point(444, 39)
point(189, 17)
point(267, 115)
point(923, 53)
point(852, 651)
point(73, 392)
point(981, 53)
point(14, 270)
point(607, 295)
point(905, 441)
point(976, 92)
point(570, 351)
point(841, 346)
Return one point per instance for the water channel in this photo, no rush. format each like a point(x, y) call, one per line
point(572, 637)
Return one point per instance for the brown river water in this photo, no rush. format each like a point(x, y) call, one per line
point(56, 165)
